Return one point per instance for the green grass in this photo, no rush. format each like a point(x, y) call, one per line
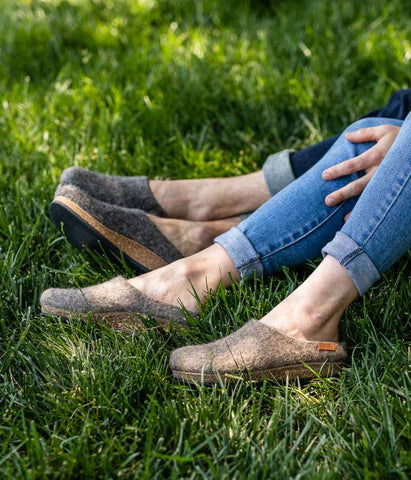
point(185, 89)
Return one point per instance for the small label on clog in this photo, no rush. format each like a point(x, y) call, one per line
point(327, 346)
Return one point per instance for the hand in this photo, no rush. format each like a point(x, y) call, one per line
point(368, 161)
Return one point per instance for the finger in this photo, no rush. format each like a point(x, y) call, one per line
point(350, 190)
point(372, 156)
point(368, 134)
point(347, 216)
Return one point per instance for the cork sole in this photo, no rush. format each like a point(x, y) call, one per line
point(82, 230)
point(121, 321)
point(293, 372)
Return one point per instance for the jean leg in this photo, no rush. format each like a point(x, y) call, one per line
point(295, 224)
point(378, 231)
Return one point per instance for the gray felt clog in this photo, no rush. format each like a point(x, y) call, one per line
point(115, 303)
point(120, 232)
point(129, 192)
point(257, 352)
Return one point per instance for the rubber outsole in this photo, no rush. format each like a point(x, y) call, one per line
point(292, 372)
point(82, 235)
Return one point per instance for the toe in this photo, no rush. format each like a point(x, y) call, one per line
point(63, 300)
point(193, 359)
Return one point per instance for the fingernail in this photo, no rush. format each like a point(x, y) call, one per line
point(330, 201)
point(326, 176)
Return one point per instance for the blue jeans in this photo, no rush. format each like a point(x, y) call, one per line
point(295, 225)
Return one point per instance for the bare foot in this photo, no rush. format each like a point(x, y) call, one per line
point(191, 237)
point(211, 198)
point(314, 309)
point(175, 283)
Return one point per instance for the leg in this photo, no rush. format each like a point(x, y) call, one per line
point(303, 329)
point(376, 235)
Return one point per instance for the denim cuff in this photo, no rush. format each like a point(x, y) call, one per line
point(359, 265)
point(241, 251)
point(278, 172)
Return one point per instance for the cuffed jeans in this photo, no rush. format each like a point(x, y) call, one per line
point(296, 225)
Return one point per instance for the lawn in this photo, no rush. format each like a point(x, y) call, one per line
point(174, 89)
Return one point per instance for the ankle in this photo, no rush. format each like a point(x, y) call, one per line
point(203, 233)
point(201, 272)
point(163, 191)
point(317, 324)
point(206, 269)
point(191, 237)
point(302, 316)
point(324, 296)
point(171, 284)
